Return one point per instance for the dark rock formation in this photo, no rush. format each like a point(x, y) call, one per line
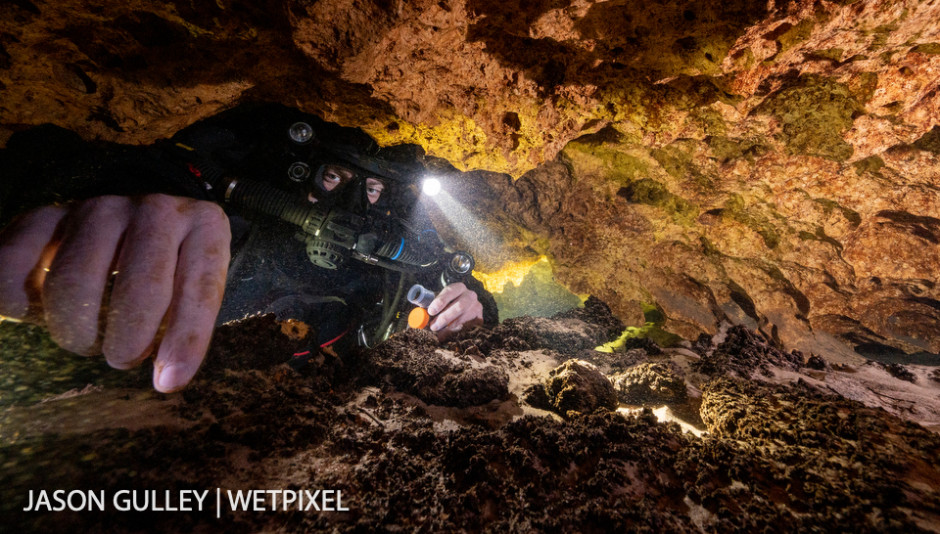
point(577, 386)
point(649, 383)
point(413, 363)
point(860, 443)
point(785, 456)
point(743, 353)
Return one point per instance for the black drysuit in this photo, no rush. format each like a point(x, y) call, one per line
point(270, 271)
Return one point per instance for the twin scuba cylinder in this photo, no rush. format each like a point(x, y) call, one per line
point(333, 234)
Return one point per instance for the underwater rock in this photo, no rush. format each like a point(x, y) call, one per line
point(414, 363)
point(653, 383)
point(598, 313)
point(535, 396)
point(862, 458)
point(776, 456)
point(617, 361)
point(565, 335)
point(569, 333)
point(577, 386)
point(816, 362)
point(646, 344)
point(743, 353)
point(772, 164)
point(899, 371)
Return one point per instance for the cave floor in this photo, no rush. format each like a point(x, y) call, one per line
point(490, 432)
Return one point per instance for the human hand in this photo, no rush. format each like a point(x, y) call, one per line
point(121, 276)
point(454, 307)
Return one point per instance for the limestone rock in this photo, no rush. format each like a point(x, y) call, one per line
point(412, 362)
point(649, 383)
point(769, 164)
point(565, 334)
point(742, 353)
point(577, 386)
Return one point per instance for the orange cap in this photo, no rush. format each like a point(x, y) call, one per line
point(418, 318)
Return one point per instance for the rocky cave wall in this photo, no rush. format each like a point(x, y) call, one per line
point(776, 164)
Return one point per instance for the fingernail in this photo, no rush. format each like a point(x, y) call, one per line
point(172, 377)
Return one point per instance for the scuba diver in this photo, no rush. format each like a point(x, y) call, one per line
point(134, 252)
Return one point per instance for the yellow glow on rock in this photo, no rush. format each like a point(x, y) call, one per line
point(629, 333)
point(652, 329)
point(449, 138)
point(513, 272)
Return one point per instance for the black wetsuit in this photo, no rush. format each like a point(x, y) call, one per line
point(270, 271)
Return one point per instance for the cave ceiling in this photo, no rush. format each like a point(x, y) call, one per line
point(775, 164)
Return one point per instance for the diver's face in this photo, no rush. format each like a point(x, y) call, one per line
point(335, 176)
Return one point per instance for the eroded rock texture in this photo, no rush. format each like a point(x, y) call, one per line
point(772, 163)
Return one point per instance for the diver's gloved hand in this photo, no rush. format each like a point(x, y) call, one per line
point(453, 308)
point(121, 276)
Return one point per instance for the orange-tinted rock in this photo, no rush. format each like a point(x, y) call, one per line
point(771, 164)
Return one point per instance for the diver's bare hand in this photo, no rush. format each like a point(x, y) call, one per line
point(453, 308)
point(121, 276)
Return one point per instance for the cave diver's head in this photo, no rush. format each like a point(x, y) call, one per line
point(344, 168)
point(342, 185)
point(366, 195)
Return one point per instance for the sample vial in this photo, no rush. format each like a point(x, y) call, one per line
point(421, 297)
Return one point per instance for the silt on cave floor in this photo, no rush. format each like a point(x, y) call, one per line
point(521, 428)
